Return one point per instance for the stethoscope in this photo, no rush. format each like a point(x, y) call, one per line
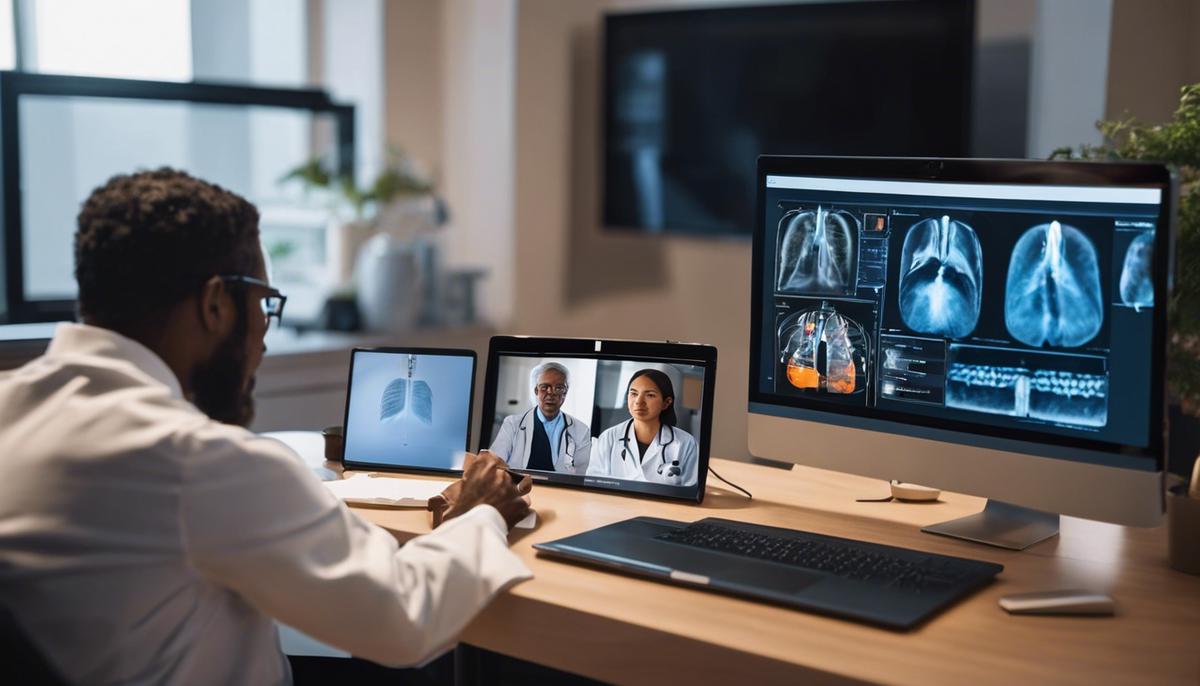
point(674, 469)
point(566, 441)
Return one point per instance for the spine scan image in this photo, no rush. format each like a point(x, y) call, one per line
point(1053, 294)
point(817, 253)
point(941, 278)
point(1062, 397)
point(1069, 398)
point(1137, 290)
point(988, 388)
point(824, 351)
point(407, 398)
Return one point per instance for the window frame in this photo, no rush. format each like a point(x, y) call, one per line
point(13, 85)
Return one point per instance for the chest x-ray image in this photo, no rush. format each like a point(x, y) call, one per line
point(1137, 288)
point(1053, 295)
point(941, 278)
point(824, 351)
point(407, 397)
point(408, 409)
point(818, 251)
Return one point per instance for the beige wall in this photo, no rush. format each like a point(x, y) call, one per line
point(449, 99)
point(415, 78)
point(575, 279)
point(1155, 51)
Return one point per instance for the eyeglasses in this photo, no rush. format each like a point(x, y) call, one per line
point(544, 388)
point(272, 302)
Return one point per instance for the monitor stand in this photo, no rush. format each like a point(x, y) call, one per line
point(1001, 524)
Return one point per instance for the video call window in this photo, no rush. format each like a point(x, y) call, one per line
point(1011, 308)
point(587, 417)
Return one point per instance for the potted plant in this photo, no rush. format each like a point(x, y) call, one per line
point(374, 242)
point(1178, 143)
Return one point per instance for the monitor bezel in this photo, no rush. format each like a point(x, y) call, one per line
point(387, 467)
point(1028, 172)
point(667, 352)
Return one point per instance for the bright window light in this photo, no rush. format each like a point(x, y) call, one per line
point(8, 53)
point(136, 39)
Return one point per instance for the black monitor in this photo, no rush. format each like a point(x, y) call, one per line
point(992, 327)
point(693, 96)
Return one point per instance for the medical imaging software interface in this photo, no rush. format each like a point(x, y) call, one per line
point(1011, 306)
point(409, 410)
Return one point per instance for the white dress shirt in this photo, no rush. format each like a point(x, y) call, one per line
point(142, 542)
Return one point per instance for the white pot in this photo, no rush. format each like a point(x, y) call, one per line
point(389, 280)
point(410, 216)
point(343, 240)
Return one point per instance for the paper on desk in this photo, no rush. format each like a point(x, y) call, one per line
point(386, 490)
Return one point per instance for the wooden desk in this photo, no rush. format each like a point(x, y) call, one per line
point(627, 630)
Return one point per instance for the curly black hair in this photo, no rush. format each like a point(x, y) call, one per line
point(148, 240)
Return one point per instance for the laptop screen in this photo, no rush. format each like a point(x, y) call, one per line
point(408, 408)
point(617, 418)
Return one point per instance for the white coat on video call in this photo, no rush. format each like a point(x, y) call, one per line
point(670, 459)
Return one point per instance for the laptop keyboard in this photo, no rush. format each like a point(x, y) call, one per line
point(856, 560)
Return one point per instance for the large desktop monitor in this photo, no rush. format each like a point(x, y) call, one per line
point(991, 327)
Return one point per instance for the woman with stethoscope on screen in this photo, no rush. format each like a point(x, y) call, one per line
point(648, 446)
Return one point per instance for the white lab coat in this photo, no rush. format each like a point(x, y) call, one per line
point(656, 466)
point(515, 439)
point(142, 542)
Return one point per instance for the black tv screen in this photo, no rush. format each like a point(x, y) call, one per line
point(693, 97)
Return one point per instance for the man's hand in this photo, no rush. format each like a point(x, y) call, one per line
point(486, 481)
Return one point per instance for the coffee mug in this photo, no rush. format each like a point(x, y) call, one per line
point(333, 443)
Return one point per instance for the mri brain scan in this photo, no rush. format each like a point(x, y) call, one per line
point(818, 251)
point(1137, 289)
point(941, 278)
point(825, 351)
point(1053, 294)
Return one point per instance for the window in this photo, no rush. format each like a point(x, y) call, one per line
point(73, 133)
point(136, 39)
point(8, 42)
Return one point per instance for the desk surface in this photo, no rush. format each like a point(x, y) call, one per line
point(628, 630)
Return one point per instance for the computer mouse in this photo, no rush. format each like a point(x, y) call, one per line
point(1064, 602)
point(902, 491)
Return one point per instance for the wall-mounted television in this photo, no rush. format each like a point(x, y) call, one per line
point(692, 98)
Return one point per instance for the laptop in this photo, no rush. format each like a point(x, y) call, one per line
point(895, 588)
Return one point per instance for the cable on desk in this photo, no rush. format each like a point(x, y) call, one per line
point(714, 473)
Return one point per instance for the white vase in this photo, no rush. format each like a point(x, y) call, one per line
point(343, 240)
point(389, 281)
point(410, 216)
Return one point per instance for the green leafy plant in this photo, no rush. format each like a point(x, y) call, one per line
point(1177, 143)
point(398, 179)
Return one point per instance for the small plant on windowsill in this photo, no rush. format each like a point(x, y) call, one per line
point(399, 179)
point(1177, 143)
point(399, 202)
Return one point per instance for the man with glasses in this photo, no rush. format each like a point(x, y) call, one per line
point(544, 437)
point(145, 535)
